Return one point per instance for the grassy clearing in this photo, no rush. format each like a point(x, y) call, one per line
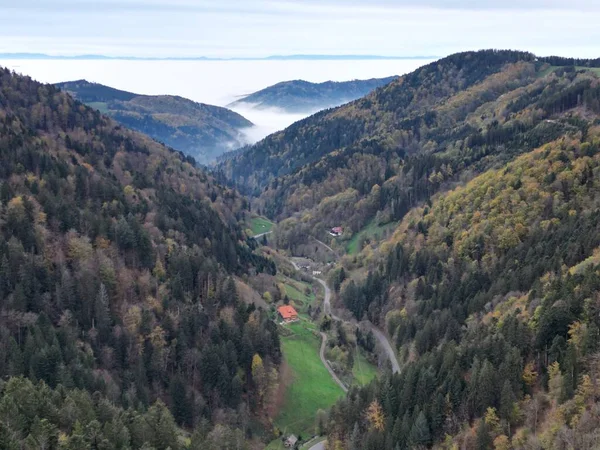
point(297, 293)
point(312, 388)
point(100, 106)
point(311, 443)
point(547, 71)
point(275, 445)
point(363, 371)
point(551, 69)
point(595, 70)
point(260, 225)
point(371, 231)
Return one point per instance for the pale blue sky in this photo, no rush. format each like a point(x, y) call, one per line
point(255, 28)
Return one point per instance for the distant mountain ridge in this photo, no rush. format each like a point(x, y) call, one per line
point(210, 58)
point(200, 130)
point(303, 96)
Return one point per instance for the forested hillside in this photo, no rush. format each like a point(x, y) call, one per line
point(390, 118)
point(488, 164)
point(202, 131)
point(492, 297)
point(299, 96)
point(120, 321)
point(377, 157)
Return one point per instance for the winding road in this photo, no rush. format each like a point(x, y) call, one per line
point(327, 308)
point(326, 364)
point(385, 343)
point(382, 338)
point(379, 335)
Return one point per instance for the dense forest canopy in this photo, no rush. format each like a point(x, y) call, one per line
point(120, 318)
point(491, 296)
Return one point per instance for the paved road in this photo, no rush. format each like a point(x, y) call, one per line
point(327, 308)
point(262, 234)
point(382, 338)
point(376, 332)
point(327, 301)
point(319, 446)
point(379, 335)
point(327, 247)
point(326, 364)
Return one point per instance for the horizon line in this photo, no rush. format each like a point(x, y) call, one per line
point(210, 58)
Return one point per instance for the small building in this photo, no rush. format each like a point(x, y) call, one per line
point(291, 441)
point(316, 272)
point(336, 231)
point(287, 313)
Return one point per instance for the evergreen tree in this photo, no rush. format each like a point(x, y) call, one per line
point(484, 439)
point(507, 402)
point(182, 409)
point(420, 433)
point(101, 310)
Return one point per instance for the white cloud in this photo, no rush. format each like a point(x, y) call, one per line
point(266, 121)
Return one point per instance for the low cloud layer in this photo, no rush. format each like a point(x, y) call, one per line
point(266, 120)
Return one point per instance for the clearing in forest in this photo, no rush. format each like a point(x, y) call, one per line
point(260, 225)
point(373, 231)
point(312, 387)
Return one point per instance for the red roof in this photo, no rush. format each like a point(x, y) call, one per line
point(337, 229)
point(287, 312)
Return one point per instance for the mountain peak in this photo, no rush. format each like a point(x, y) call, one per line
point(301, 96)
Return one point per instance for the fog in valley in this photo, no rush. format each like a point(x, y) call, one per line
point(213, 82)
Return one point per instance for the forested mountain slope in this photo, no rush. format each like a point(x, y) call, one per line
point(391, 117)
point(202, 131)
point(489, 163)
point(381, 155)
point(117, 259)
point(299, 96)
point(492, 296)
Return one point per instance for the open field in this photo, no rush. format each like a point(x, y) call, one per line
point(312, 388)
point(363, 371)
point(551, 69)
point(260, 225)
point(100, 106)
point(596, 70)
point(296, 291)
point(371, 231)
point(302, 294)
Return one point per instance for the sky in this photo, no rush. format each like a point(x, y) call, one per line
point(259, 28)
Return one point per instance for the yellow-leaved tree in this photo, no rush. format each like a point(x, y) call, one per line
point(529, 374)
point(259, 376)
point(375, 416)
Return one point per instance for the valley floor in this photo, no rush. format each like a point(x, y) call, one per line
point(311, 387)
point(308, 382)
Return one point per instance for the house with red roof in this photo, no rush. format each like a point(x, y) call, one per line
point(336, 231)
point(287, 313)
